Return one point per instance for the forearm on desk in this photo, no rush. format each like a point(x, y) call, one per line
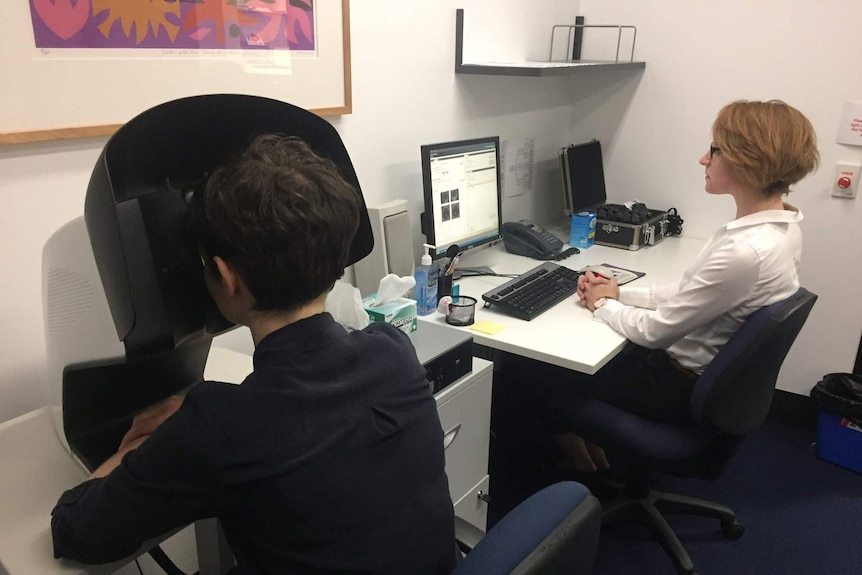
point(164, 484)
point(114, 461)
point(638, 297)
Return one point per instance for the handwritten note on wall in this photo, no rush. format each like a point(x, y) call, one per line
point(850, 127)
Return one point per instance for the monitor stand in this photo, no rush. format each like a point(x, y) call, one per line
point(474, 271)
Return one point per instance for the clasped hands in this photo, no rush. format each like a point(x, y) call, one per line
point(592, 287)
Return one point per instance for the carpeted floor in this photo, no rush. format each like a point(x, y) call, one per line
point(801, 515)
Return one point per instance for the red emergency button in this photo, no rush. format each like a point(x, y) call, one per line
point(844, 182)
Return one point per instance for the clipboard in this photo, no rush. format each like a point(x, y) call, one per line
point(623, 275)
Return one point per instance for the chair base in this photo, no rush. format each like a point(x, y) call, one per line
point(649, 510)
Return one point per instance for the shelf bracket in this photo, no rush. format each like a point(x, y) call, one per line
point(459, 40)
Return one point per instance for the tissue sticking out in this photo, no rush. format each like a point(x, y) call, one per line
point(390, 305)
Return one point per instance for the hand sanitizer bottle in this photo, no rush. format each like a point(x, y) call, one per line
point(426, 286)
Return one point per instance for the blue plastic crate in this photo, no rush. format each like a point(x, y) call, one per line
point(839, 441)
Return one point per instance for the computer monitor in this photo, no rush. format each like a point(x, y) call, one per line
point(583, 176)
point(463, 197)
point(142, 261)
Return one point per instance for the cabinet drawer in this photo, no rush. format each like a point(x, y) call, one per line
point(466, 420)
point(473, 508)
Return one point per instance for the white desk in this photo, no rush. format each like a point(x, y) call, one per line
point(35, 471)
point(36, 468)
point(566, 335)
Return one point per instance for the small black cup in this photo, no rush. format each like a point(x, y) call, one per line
point(444, 285)
point(462, 310)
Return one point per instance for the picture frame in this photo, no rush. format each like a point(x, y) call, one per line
point(60, 94)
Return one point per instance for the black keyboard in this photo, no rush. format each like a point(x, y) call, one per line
point(534, 292)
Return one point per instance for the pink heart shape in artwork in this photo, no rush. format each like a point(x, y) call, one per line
point(64, 19)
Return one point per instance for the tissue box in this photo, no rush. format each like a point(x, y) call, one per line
point(400, 312)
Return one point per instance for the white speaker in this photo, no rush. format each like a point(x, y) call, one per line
point(393, 246)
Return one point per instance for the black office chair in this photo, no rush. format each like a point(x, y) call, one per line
point(730, 399)
point(553, 532)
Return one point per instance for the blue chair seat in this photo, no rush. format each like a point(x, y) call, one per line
point(643, 438)
point(553, 532)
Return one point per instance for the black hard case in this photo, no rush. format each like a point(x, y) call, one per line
point(583, 179)
point(632, 236)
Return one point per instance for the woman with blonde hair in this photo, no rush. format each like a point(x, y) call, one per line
point(758, 150)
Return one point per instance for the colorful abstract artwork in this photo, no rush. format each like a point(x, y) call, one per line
point(174, 24)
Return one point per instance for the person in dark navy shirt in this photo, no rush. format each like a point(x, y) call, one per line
point(329, 457)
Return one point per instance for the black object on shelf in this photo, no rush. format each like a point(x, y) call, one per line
point(579, 38)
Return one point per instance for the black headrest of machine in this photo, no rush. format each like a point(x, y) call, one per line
point(136, 214)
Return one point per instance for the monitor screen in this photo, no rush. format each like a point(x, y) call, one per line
point(583, 177)
point(463, 194)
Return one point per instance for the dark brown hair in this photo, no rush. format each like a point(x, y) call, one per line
point(283, 216)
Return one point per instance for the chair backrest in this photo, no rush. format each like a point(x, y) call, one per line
point(553, 532)
point(735, 391)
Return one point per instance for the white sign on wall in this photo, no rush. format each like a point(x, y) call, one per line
point(519, 163)
point(850, 127)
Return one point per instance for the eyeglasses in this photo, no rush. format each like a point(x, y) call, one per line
point(713, 149)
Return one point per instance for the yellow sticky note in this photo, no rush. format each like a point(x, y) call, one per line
point(487, 327)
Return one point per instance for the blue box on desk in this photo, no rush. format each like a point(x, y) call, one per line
point(583, 232)
point(839, 441)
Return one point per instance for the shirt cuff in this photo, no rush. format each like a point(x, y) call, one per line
point(607, 311)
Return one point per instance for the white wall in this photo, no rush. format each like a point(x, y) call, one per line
point(406, 95)
point(41, 188)
point(653, 124)
point(701, 55)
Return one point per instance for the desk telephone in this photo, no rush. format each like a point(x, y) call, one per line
point(525, 238)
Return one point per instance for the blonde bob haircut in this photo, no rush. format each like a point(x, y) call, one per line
point(770, 145)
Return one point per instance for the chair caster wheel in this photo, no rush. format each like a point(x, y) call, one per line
point(732, 531)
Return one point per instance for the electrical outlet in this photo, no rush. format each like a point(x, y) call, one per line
point(846, 180)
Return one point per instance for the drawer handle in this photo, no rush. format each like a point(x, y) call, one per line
point(483, 496)
point(450, 436)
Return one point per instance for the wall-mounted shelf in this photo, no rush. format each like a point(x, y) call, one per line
point(537, 68)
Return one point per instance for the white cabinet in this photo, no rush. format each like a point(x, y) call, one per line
point(465, 415)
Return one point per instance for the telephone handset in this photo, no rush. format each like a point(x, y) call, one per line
point(525, 238)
